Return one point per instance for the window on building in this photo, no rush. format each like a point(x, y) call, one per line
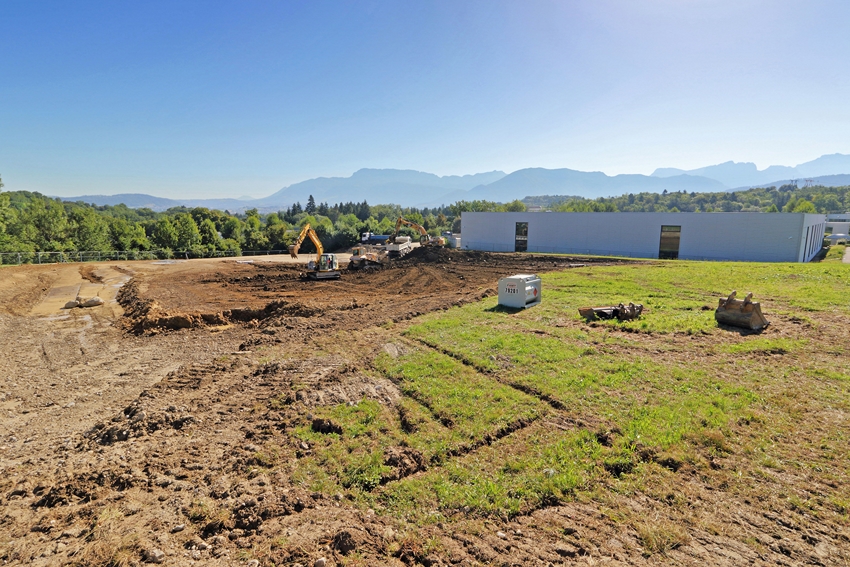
point(668, 249)
point(521, 240)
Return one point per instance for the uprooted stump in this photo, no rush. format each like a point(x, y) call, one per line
point(621, 312)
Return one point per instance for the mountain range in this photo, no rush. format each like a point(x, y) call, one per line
point(410, 188)
point(746, 174)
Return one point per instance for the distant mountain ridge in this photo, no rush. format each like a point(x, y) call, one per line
point(740, 174)
point(401, 186)
point(539, 181)
point(141, 200)
point(410, 188)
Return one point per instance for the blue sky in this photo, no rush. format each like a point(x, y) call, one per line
point(213, 99)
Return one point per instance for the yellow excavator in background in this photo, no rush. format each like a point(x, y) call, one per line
point(325, 266)
point(425, 239)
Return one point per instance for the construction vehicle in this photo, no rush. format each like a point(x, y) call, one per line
point(365, 257)
point(425, 239)
point(325, 266)
point(400, 246)
point(372, 238)
point(738, 313)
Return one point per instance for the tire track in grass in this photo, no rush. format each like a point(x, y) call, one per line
point(524, 388)
point(438, 459)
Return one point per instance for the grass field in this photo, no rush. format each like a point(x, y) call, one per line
point(511, 412)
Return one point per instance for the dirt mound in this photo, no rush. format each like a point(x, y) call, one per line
point(87, 271)
point(149, 316)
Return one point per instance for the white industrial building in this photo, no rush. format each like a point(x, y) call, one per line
point(756, 237)
point(838, 227)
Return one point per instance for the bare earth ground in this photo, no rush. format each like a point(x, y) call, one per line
point(116, 421)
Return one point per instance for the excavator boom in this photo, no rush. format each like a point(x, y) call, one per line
point(424, 238)
point(314, 238)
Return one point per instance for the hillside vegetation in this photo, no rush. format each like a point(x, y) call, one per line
point(787, 199)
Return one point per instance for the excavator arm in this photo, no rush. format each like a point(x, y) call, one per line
point(293, 248)
point(314, 238)
point(403, 221)
point(317, 243)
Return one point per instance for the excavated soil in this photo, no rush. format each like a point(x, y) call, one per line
point(156, 427)
point(425, 280)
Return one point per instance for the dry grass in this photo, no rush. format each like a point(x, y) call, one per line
point(660, 536)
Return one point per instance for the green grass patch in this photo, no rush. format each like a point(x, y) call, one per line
point(760, 345)
point(470, 406)
point(835, 253)
point(636, 400)
point(449, 410)
point(537, 466)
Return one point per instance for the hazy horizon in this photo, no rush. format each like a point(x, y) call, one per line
point(213, 100)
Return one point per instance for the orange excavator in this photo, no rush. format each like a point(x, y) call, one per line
point(325, 266)
point(425, 239)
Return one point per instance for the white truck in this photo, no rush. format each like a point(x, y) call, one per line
point(400, 247)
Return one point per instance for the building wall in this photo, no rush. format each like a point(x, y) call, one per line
point(760, 237)
point(813, 230)
point(838, 227)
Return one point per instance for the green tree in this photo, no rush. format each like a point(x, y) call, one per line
point(232, 229)
point(188, 235)
point(584, 206)
point(276, 236)
point(164, 234)
point(45, 224)
point(89, 230)
point(125, 235)
point(827, 203)
point(253, 237)
point(5, 210)
point(310, 209)
point(209, 235)
point(515, 206)
point(804, 206)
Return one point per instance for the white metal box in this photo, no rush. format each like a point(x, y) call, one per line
point(520, 291)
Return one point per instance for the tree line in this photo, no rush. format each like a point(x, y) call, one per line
point(32, 223)
point(787, 199)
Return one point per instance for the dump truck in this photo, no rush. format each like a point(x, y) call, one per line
point(400, 246)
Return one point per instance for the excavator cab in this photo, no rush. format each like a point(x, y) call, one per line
point(328, 262)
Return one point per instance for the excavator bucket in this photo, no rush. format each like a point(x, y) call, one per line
point(740, 313)
point(293, 250)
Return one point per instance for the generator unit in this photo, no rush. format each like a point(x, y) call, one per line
point(520, 291)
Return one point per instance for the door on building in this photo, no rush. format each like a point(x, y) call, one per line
point(521, 241)
point(669, 247)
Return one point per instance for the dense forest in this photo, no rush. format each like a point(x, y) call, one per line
point(31, 223)
point(786, 199)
